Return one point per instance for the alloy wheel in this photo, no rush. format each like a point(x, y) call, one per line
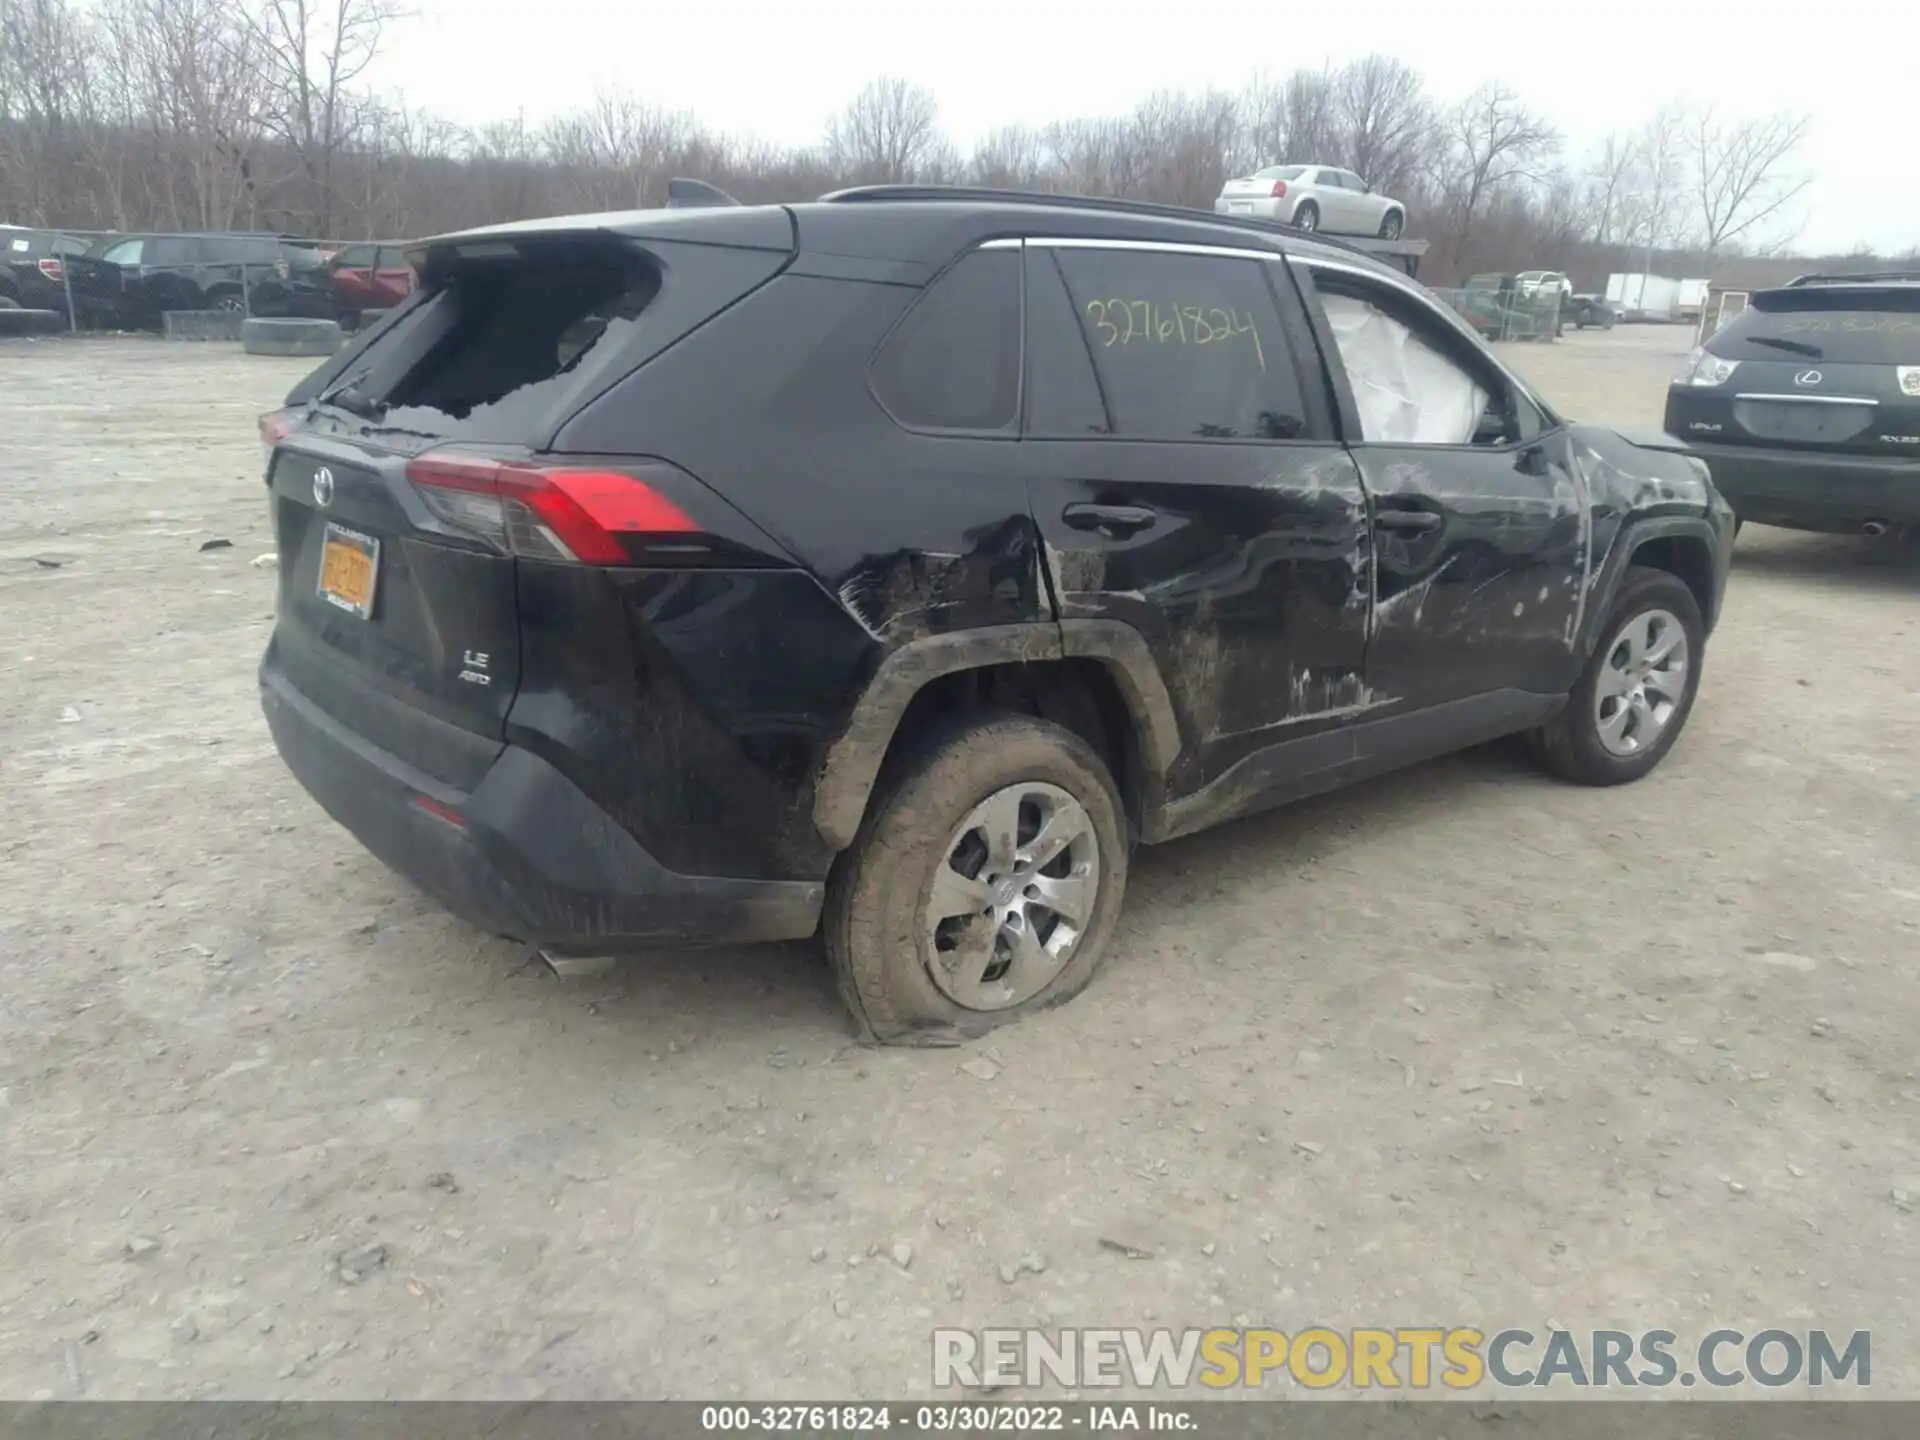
point(1012, 896)
point(1643, 682)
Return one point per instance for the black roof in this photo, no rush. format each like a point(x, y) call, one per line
point(931, 222)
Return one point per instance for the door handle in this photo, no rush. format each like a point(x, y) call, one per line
point(1414, 521)
point(1112, 520)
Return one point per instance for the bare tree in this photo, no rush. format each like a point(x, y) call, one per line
point(43, 90)
point(886, 133)
point(1652, 210)
point(315, 52)
point(1013, 157)
point(210, 114)
point(1290, 121)
point(1496, 140)
point(1610, 175)
point(1180, 147)
point(1386, 124)
point(619, 150)
point(1742, 171)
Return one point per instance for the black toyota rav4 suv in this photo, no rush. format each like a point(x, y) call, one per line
point(1807, 404)
point(891, 565)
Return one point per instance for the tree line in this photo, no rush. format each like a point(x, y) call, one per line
point(255, 115)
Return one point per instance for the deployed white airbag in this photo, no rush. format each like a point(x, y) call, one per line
point(1406, 390)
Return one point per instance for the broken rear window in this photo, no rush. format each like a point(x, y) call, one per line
point(489, 355)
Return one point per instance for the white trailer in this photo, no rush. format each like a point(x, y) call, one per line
point(1644, 297)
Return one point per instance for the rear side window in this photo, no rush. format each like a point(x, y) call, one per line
point(173, 250)
point(355, 257)
point(953, 362)
point(1865, 327)
point(1185, 347)
point(127, 252)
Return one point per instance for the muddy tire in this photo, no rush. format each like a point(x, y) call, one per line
point(937, 931)
point(1638, 689)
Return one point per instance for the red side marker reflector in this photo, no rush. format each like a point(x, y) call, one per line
point(441, 812)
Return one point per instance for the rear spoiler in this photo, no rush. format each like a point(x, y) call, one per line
point(696, 194)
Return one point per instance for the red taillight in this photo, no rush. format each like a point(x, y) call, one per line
point(52, 269)
point(550, 511)
point(1279, 189)
point(274, 428)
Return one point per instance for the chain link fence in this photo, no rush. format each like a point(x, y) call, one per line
point(216, 282)
point(1506, 310)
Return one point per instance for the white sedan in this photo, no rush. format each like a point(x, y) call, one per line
point(1314, 197)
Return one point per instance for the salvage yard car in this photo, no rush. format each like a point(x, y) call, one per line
point(890, 566)
point(1807, 404)
point(131, 282)
point(1314, 197)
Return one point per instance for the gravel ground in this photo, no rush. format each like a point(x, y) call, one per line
point(1458, 1046)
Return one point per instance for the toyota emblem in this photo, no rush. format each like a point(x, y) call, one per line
point(1807, 377)
point(323, 487)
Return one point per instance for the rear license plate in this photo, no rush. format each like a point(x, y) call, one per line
point(1240, 207)
point(1802, 421)
point(349, 567)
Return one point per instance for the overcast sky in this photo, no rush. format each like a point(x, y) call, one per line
point(779, 69)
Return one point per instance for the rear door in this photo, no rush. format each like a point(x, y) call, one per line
point(398, 609)
point(1356, 208)
point(1188, 485)
point(1815, 367)
point(105, 282)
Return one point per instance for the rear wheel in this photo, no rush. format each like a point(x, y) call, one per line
point(1637, 690)
point(1391, 227)
point(983, 886)
point(1307, 217)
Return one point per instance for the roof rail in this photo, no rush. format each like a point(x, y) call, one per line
point(867, 193)
point(696, 194)
point(1864, 277)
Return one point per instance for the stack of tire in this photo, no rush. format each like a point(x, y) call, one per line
point(16, 321)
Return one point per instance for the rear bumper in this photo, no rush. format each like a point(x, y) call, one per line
point(526, 854)
point(1808, 490)
point(1259, 208)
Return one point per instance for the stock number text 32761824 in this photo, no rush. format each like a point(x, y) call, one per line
point(1143, 322)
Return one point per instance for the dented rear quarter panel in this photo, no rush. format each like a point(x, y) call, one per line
point(884, 538)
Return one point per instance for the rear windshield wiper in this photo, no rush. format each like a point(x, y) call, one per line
point(1798, 347)
point(348, 396)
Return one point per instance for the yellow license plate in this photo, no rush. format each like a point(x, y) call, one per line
point(349, 567)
